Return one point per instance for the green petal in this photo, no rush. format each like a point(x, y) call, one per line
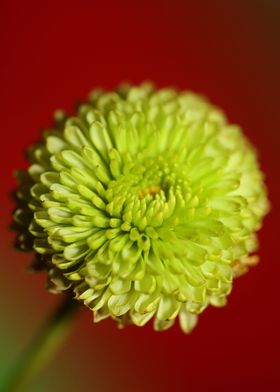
point(187, 320)
point(120, 286)
point(120, 304)
point(168, 308)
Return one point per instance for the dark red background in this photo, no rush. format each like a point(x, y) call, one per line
point(53, 53)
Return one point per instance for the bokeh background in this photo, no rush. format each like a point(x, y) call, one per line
point(52, 54)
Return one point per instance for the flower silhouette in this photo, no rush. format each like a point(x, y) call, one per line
point(144, 205)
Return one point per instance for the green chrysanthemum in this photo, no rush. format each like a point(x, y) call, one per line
point(145, 205)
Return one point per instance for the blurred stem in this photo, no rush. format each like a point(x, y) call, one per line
point(44, 346)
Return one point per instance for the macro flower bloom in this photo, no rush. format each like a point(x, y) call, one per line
point(145, 205)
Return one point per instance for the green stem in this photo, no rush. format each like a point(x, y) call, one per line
point(43, 347)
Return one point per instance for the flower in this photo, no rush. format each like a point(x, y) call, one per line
point(144, 205)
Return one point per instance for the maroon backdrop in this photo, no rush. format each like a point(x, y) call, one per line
point(53, 53)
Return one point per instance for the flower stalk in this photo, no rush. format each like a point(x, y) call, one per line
point(43, 348)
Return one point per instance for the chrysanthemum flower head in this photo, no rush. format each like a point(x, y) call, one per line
point(144, 205)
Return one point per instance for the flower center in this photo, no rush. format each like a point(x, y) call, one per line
point(150, 190)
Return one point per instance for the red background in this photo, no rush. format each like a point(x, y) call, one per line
point(51, 55)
